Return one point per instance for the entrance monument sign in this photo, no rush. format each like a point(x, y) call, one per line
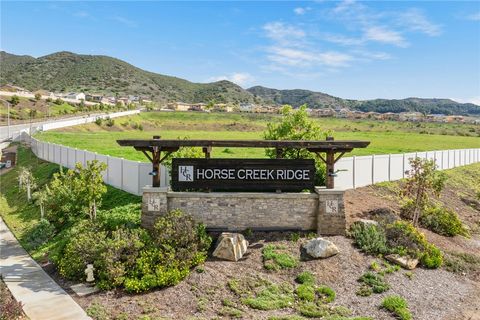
point(243, 174)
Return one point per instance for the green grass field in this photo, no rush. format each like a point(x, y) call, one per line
point(385, 136)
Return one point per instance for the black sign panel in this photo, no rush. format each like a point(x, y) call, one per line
point(243, 174)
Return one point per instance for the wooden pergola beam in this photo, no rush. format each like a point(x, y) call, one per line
point(330, 147)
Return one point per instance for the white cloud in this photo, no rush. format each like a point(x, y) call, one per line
point(415, 20)
point(303, 58)
point(283, 33)
point(384, 35)
point(474, 100)
point(124, 21)
point(343, 40)
point(301, 11)
point(474, 17)
point(240, 78)
point(81, 14)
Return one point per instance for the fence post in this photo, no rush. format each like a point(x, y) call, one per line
point(354, 165)
point(139, 191)
point(373, 168)
point(454, 158)
point(108, 171)
point(389, 167)
point(403, 166)
point(121, 173)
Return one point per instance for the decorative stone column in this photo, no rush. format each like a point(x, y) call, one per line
point(154, 204)
point(331, 211)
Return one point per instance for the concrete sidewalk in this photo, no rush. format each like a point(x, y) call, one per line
point(42, 298)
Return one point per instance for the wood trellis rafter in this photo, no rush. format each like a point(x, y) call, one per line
point(153, 148)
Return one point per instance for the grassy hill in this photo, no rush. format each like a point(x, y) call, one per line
point(298, 97)
point(66, 71)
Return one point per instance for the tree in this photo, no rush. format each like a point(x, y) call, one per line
point(296, 125)
point(26, 181)
point(75, 193)
point(91, 183)
point(423, 178)
point(14, 100)
point(40, 198)
point(38, 96)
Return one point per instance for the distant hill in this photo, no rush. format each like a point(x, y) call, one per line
point(66, 72)
point(298, 97)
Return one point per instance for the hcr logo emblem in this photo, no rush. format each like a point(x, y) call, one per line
point(185, 173)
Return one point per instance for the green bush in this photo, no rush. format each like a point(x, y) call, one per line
point(306, 277)
point(369, 238)
point(375, 281)
point(442, 221)
point(178, 232)
point(274, 258)
point(326, 294)
point(271, 298)
point(432, 257)
point(403, 238)
point(398, 306)
point(86, 244)
point(305, 292)
point(39, 234)
point(127, 216)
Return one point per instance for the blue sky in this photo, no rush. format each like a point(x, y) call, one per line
point(350, 49)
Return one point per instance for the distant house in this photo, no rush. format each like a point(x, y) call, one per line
point(74, 96)
point(323, 112)
point(94, 97)
point(246, 107)
point(435, 118)
point(455, 118)
point(411, 116)
point(343, 113)
point(179, 106)
point(390, 116)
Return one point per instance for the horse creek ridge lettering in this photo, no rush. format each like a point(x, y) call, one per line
point(251, 174)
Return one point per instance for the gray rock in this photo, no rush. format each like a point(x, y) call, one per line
point(405, 262)
point(320, 248)
point(230, 246)
point(83, 290)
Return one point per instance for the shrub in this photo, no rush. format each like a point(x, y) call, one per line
point(306, 277)
point(178, 232)
point(432, 257)
point(86, 244)
point(109, 122)
point(127, 216)
point(326, 294)
point(305, 292)
point(40, 234)
point(275, 259)
point(271, 298)
point(98, 121)
point(398, 306)
point(369, 238)
point(9, 308)
point(375, 281)
point(442, 221)
point(312, 310)
point(404, 238)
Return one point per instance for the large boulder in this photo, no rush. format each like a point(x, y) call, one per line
point(405, 262)
point(230, 246)
point(383, 215)
point(320, 248)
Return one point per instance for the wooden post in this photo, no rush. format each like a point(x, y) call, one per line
point(330, 170)
point(156, 153)
point(207, 151)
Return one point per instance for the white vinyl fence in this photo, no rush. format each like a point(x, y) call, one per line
point(130, 176)
point(366, 170)
point(15, 131)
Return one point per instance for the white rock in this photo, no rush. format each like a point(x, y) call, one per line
point(404, 262)
point(230, 246)
point(367, 222)
point(320, 248)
